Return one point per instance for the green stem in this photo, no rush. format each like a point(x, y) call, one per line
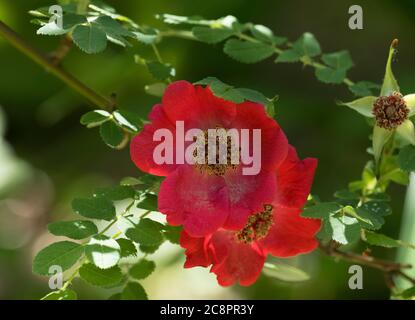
point(113, 221)
point(41, 59)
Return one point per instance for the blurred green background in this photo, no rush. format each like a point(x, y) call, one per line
point(47, 158)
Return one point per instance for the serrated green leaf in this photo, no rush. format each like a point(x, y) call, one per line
point(149, 202)
point(94, 208)
point(377, 239)
point(338, 60)
point(149, 249)
point(128, 120)
point(247, 52)
point(212, 35)
point(99, 277)
point(330, 75)
point(78, 229)
point(142, 269)
point(89, 39)
point(133, 291)
point(342, 229)
point(172, 233)
point(406, 158)
point(346, 195)
point(285, 272)
point(290, 55)
point(111, 26)
point(370, 220)
point(307, 45)
point(321, 210)
point(61, 295)
point(380, 208)
point(95, 118)
point(63, 254)
point(115, 193)
point(70, 20)
point(147, 233)
point(160, 71)
point(262, 33)
point(127, 247)
point(103, 251)
point(130, 181)
point(111, 134)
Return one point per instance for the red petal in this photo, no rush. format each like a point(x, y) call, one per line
point(196, 106)
point(274, 144)
point(291, 234)
point(198, 201)
point(142, 145)
point(294, 180)
point(247, 195)
point(197, 254)
point(236, 262)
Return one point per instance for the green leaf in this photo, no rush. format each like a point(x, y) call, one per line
point(222, 90)
point(78, 229)
point(127, 247)
point(172, 233)
point(340, 60)
point(211, 35)
point(111, 27)
point(149, 202)
point(147, 232)
point(155, 89)
point(263, 33)
point(406, 158)
point(111, 134)
point(90, 39)
point(142, 269)
point(371, 220)
point(160, 71)
point(377, 239)
point(103, 251)
point(380, 208)
point(321, 210)
point(342, 229)
point(307, 45)
point(247, 52)
point(128, 120)
point(130, 181)
point(115, 193)
point(94, 208)
point(285, 272)
point(61, 295)
point(408, 293)
point(99, 277)
point(95, 118)
point(149, 249)
point(133, 291)
point(330, 75)
point(290, 55)
point(174, 19)
point(63, 254)
point(363, 88)
point(70, 20)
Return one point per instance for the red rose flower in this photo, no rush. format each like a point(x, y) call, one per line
point(204, 198)
point(278, 229)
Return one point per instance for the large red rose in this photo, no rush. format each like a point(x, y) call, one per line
point(204, 199)
point(278, 229)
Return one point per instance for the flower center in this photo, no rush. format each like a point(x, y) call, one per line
point(221, 152)
point(390, 111)
point(257, 227)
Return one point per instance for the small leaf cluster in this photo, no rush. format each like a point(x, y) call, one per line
point(115, 128)
point(99, 258)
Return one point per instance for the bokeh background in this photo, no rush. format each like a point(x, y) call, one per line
point(47, 158)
